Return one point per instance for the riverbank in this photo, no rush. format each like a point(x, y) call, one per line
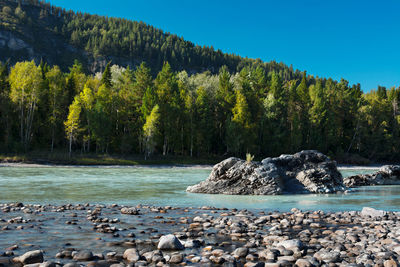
point(63, 159)
point(32, 164)
point(99, 235)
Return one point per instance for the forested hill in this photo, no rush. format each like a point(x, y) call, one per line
point(31, 29)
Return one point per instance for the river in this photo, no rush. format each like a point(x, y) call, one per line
point(166, 186)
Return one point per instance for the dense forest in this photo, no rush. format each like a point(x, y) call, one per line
point(126, 111)
point(163, 95)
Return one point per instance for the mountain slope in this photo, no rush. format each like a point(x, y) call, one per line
point(36, 30)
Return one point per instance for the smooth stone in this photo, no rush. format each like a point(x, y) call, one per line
point(176, 258)
point(83, 255)
point(327, 256)
point(303, 263)
point(169, 242)
point(291, 243)
point(390, 263)
point(192, 244)
point(35, 256)
point(241, 252)
point(367, 211)
point(131, 255)
point(48, 264)
point(129, 211)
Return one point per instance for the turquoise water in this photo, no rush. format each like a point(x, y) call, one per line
point(166, 186)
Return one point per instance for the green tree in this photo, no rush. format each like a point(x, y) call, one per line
point(150, 129)
point(241, 131)
point(57, 100)
point(72, 123)
point(5, 107)
point(168, 99)
point(204, 119)
point(25, 80)
point(106, 78)
point(225, 97)
point(274, 125)
point(87, 101)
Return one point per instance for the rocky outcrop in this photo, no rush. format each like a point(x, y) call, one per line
point(386, 175)
point(304, 172)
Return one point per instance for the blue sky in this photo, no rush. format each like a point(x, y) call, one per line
point(354, 40)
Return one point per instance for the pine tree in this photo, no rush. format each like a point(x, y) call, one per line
point(241, 132)
point(168, 99)
point(106, 78)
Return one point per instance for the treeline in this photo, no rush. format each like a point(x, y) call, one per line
point(123, 41)
point(126, 111)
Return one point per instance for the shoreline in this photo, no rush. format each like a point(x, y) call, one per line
point(36, 165)
point(102, 235)
point(161, 165)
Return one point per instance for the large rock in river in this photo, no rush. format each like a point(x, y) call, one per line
point(386, 175)
point(304, 172)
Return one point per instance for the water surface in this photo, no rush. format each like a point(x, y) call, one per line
point(166, 186)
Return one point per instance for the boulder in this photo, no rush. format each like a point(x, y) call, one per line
point(130, 211)
point(35, 256)
point(386, 175)
point(291, 243)
point(304, 172)
point(241, 252)
point(176, 258)
point(327, 256)
point(83, 255)
point(371, 212)
point(132, 255)
point(170, 242)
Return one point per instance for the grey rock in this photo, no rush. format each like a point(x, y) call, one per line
point(83, 255)
point(48, 264)
point(35, 256)
point(303, 263)
point(176, 258)
point(291, 243)
point(132, 255)
point(169, 242)
point(129, 211)
point(192, 243)
point(241, 252)
point(367, 211)
point(304, 172)
point(100, 263)
point(327, 256)
point(386, 175)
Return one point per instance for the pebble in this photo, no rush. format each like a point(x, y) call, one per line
point(208, 236)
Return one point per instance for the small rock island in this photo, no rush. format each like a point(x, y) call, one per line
point(308, 171)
